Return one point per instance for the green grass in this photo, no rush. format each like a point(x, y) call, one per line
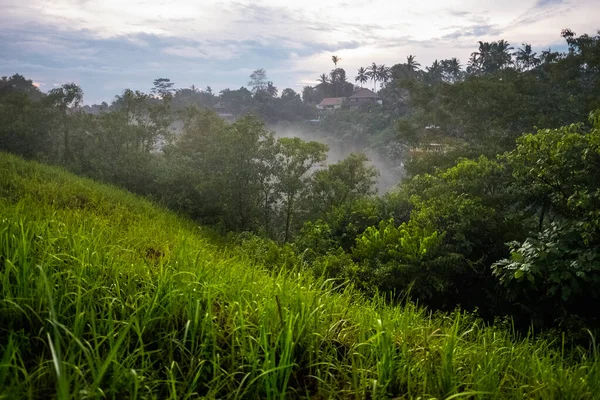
point(104, 295)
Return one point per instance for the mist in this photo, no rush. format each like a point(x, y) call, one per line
point(387, 160)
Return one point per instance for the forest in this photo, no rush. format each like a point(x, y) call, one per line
point(497, 210)
point(266, 240)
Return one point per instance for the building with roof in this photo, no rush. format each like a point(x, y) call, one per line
point(364, 96)
point(330, 103)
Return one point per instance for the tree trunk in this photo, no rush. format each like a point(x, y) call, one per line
point(288, 219)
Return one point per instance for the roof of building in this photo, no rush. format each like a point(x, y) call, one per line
point(364, 94)
point(331, 101)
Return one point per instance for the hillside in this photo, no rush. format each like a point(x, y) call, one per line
point(105, 295)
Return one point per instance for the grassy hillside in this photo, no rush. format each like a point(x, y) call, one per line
point(104, 295)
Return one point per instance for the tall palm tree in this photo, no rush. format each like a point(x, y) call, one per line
point(335, 73)
point(336, 60)
point(412, 63)
point(362, 76)
point(383, 74)
point(372, 72)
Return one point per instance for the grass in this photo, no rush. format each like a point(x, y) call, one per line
point(105, 295)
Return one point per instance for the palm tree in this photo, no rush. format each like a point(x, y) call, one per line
point(501, 55)
point(493, 56)
point(481, 59)
point(383, 73)
point(336, 60)
point(412, 63)
point(323, 82)
point(323, 79)
point(434, 72)
point(362, 77)
point(451, 69)
point(271, 89)
point(473, 65)
point(372, 72)
point(526, 58)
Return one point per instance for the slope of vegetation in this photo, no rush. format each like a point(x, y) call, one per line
point(105, 295)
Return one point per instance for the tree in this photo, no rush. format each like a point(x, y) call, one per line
point(373, 73)
point(556, 174)
point(311, 95)
point(194, 181)
point(362, 76)
point(526, 59)
point(323, 84)
point(258, 80)
point(26, 126)
point(383, 74)
point(501, 54)
point(295, 159)
point(412, 63)
point(323, 79)
point(339, 82)
point(335, 60)
point(549, 57)
point(288, 94)
point(238, 101)
point(18, 83)
point(271, 89)
point(435, 72)
point(243, 161)
point(348, 180)
point(146, 122)
point(267, 165)
point(65, 99)
point(491, 57)
point(451, 70)
point(473, 65)
point(163, 87)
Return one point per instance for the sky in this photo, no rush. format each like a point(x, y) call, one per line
point(106, 46)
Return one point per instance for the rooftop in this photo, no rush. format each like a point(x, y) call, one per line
point(331, 101)
point(364, 94)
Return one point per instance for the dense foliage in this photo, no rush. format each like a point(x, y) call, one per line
point(104, 295)
point(489, 217)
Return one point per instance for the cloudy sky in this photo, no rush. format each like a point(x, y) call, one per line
point(109, 45)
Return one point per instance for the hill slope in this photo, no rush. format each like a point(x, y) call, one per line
point(104, 295)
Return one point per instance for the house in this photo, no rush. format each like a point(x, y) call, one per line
point(330, 103)
point(364, 96)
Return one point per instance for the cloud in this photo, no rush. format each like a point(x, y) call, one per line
point(474, 31)
point(112, 44)
point(545, 3)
